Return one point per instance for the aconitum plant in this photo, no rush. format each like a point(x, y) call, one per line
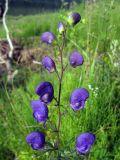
point(48, 64)
point(76, 59)
point(84, 142)
point(45, 93)
point(48, 37)
point(78, 98)
point(36, 140)
point(40, 111)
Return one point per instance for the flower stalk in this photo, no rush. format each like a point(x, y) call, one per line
point(61, 49)
point(45, 91)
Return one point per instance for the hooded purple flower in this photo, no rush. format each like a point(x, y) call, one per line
point(76, 59)
point(61, 27)
point(36, 140)
point(48, 63)
point(78, 98)
point(47, 37)
point(40, 111)
point(84, 142)
point(74, 18)
point(45, 91)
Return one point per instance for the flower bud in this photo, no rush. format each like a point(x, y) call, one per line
point(45, 91)
point(49, 64)
point(84, 142)
point(36, 140)
point(78, 98)
point(40, 111)
point(76, 59)
point(61, 27)
point(74, 18)
point(47, 37)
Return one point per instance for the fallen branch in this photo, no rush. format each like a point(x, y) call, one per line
point(10, 54)
point(2, 61)
point(36, 62)
point(6, 29)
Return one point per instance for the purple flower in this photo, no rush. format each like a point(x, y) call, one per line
point(45, 91)
point(84, 142)
point(47, 37)
point(76, 59)
point(78, 98)
point(74, 18)
point(49, 64)
point(36, 140)
point(61, 27)
point(40, 111)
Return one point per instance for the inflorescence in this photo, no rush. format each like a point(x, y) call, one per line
point(45, 91)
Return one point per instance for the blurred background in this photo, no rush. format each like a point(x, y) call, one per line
point(97, 38)
point(19, 7)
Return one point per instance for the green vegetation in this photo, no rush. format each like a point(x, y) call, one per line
point(97, 38)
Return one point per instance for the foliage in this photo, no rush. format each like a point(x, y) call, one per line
point(97, 38)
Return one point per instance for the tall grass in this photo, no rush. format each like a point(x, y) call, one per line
point(97, 38)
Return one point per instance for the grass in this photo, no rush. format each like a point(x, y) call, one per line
point(97, 38)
